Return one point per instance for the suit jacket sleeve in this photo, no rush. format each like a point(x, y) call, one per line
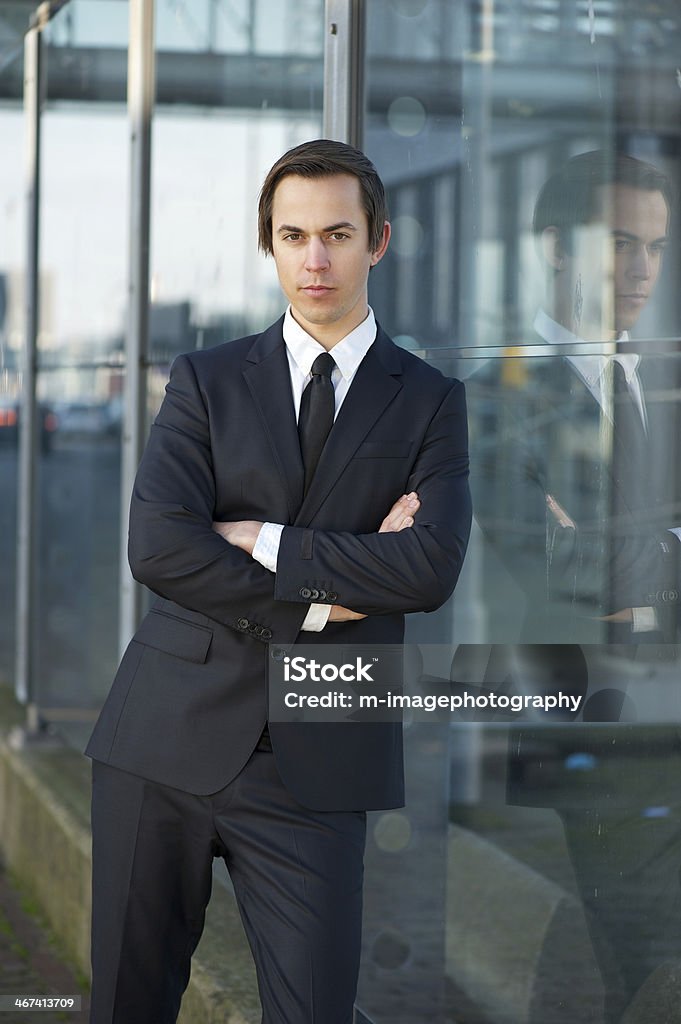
point(172, 547)
point(411, 571)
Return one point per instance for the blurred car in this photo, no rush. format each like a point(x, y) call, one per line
point(84, 419)
point(10, 415)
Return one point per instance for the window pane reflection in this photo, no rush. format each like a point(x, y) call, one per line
point(83, 288)
point(11, 337)
point(532, 158)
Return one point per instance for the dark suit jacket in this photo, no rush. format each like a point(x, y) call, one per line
point(575, 516)
point(190, 698)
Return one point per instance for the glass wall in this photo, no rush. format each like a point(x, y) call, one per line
point(83, 268)
point(246, 86)
point(12, 259)
point(532, 153)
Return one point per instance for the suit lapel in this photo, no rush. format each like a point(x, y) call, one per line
point(374, 386)
point(268, 377)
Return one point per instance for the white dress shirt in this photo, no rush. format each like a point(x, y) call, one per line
point(302, 350)
point(593, 369)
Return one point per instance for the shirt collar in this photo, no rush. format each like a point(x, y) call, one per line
point(592, 367)
point(348, 353)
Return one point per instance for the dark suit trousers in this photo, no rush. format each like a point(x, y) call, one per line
point(297, 876)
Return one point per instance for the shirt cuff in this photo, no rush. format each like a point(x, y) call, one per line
point(643, 620)
point(316, 618)
point(266, 549)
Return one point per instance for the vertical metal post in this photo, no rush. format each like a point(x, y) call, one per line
point(141, 86)
point(27, 532)
point(344, 71)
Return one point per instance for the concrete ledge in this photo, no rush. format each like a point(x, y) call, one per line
point(45, 841)
point(516, 943)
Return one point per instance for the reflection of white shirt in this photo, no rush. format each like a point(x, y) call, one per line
point(593, 369)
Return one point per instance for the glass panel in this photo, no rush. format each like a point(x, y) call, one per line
point(209, 283)
point(83, 241)
point(12, 230)
point(532, 157)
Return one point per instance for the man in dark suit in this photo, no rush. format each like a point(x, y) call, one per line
point(264, 514)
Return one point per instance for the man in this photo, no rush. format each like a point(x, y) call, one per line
point(591, 545)
point(259, 520)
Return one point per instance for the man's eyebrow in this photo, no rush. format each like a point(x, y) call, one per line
point(636, 238)
point(284, 228)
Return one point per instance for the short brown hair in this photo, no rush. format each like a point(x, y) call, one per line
point(322, 158)
point(570, 196)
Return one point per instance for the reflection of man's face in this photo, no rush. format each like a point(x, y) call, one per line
point(616, 260)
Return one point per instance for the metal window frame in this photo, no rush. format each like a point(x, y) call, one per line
point(141, 97)
point(344, 36)
point(27, 525)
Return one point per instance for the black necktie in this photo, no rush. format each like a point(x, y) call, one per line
point(317, 407)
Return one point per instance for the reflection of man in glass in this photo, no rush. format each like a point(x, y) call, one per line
point(565, 492)
point(602, 223)
point(608, 560)
point(571, 496)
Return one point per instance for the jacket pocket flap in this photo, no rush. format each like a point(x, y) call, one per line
point(383, 450)
point(175, 636)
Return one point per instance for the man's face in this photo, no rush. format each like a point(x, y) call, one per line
point(320, 238)
point(617, 259)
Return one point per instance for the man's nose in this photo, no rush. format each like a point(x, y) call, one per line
point(316, 255)
point(640, 263)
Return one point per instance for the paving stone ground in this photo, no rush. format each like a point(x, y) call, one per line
point(30, 963)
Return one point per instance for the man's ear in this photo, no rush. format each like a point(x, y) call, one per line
point(553, 249)
point(379, 253)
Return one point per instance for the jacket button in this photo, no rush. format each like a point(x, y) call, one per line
point(252, 628)
point(305, 592)
point(314, 593)
point(322, 595)
point(331, 596)
point(266, 633)
point(259, 630)
point(277, 654)
point(243, 623)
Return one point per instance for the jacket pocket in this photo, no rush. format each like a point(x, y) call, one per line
point(175, 636)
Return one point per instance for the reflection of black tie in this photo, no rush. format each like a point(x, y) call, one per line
point(317, 407)
point(631, 454)
point(634, 553)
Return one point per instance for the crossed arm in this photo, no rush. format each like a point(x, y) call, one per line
point(244, 534)
point(174, 550)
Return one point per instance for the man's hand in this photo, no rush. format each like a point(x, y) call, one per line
point(242, 535)
point(400, 517)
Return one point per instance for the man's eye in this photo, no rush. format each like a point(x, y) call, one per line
point(338, 236)
point(293, 236)
point(621, 244)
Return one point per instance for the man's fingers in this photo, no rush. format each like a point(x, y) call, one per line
point(401, 515)
point(340, 614)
